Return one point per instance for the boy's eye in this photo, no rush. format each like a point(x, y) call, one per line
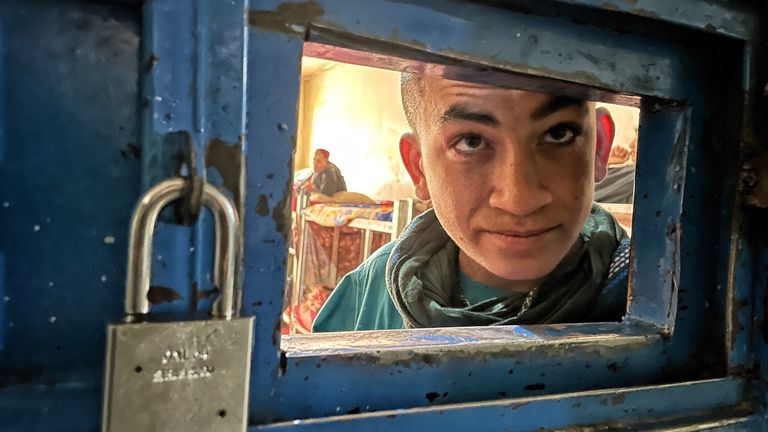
point(562, 134)
point(469, 144)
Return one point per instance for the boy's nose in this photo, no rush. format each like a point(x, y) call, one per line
point(517, 185)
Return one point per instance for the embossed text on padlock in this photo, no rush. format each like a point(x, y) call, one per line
point(189, 375)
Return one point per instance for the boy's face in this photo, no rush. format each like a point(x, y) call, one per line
point(510, 173)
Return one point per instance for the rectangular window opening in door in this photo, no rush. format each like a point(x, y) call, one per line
point(427, 195)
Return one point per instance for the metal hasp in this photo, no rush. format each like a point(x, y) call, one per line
point(189, 375)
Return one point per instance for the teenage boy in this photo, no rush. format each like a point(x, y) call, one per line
point(513, 237)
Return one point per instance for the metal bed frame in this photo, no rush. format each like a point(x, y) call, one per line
point(402, 213)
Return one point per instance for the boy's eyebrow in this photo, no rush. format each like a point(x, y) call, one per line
point(462, 112)
point(555, 104)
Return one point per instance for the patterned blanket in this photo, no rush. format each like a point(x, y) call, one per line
point(336, 215)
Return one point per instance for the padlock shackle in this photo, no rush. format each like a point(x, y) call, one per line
point(140, 245)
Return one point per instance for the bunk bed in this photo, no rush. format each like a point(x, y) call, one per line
point(329, 240)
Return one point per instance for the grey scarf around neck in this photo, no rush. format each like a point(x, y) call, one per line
point(423, 279)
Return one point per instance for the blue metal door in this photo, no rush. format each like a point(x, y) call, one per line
point(100, 101)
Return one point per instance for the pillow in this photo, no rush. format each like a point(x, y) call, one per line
point(341, 198)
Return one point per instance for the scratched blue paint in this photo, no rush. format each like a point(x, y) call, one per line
point(70, 94)
point(522, 331)
point(459, 377)
point(660, 182)
point(2, 104)
point(447, 339)
point(708, 208)
point(201, 264)
point(745, 274)
point(70, 406)
point(702, 15)
point(547, 413)
point(168, 61)
point(271, 118)
point(445, 28)
point(517, 337)
point(760, 333)
point(742, 314)
point(518, 42)
point(170, 263)
point(3, 302)
point(219, 78)
point(220, 67)
point(193, 70)
point(169, 106)
point(70, 89)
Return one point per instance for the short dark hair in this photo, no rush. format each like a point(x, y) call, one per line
point(411, 94)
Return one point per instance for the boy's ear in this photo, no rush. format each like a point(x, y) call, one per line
point(410, 152)
point(605, 131)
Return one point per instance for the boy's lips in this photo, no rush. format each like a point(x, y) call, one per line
point(523, 233)
point(521, 240)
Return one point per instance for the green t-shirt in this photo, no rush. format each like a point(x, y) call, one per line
point(361, 300)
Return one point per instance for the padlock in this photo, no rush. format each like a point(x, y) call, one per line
point(189, 375)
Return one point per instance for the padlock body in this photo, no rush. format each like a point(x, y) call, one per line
point(178, 376)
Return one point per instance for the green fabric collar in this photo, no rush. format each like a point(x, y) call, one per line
point(423, 281)
point(475, 292)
